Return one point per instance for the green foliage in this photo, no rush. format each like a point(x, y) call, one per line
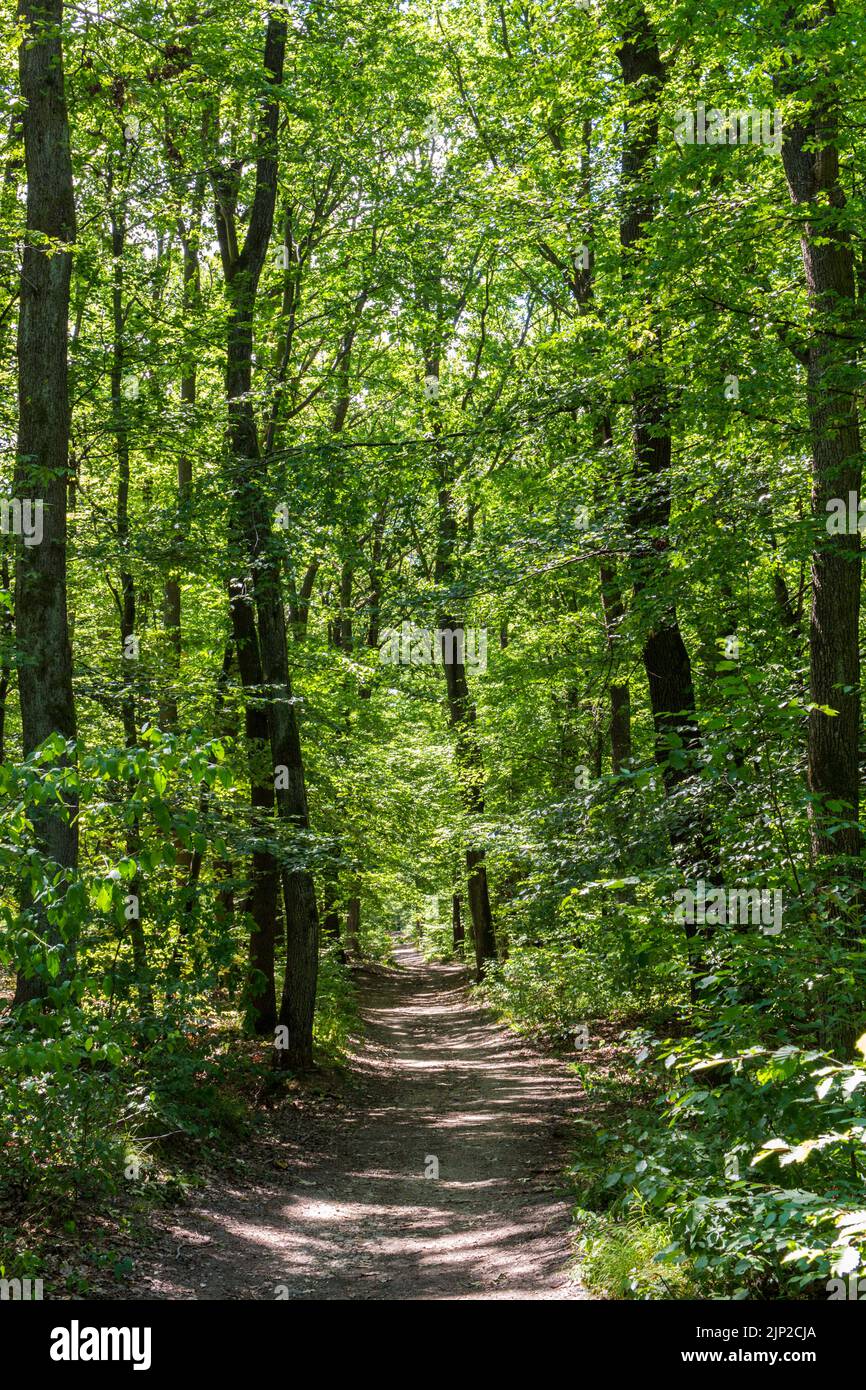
point(448, 345)
point(620, 1258)
point(609, 954)
point(753, 1160)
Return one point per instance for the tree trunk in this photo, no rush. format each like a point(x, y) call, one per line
point(353, 928)
point(261, 899)
point(126, 597)
point(811, 162)
point(42, 464)
point(578, 273)
point(457, 934)
point(347, 579)
point(620, 699)
point(269, 689)
point(665, 657)
point(172, 601)
point(461, 710)
point(331, 917)
point(7, 639)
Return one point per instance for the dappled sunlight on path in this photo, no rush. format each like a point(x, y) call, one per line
point(439, 1180)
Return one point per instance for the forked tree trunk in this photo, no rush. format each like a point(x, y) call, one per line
point(268, 688)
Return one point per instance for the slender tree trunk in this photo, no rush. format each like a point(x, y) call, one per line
point(331, 918)
point(470, 763)
point(353, 928)
point(620, 726)
point(171, 600)
point(126, 597)
point(457, 934)
point(461, 708)
point(613, 609)
point(7, 639)
point(42, 464)
point(578, 273)
point(374, 607)
point(347, 579)
point(299, 601)
point(7, 616)
point(665, 657)
point(344, 639)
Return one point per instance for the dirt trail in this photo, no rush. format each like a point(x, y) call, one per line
point(353, 1215)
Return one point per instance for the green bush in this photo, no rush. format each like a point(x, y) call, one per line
point(712, 1158)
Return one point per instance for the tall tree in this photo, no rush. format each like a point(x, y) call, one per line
point(810, 154)
point(42, 463)
point(261, 640)
point(665, 656)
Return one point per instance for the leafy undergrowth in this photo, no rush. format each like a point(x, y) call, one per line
point(101, 1118)
point(595, 960)
point(722, 1174)
point(725, 1155)
point(435, 940)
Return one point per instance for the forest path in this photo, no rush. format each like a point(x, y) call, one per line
point(355, 1217)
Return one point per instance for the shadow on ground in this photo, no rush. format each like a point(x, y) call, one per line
point(439, 1181)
